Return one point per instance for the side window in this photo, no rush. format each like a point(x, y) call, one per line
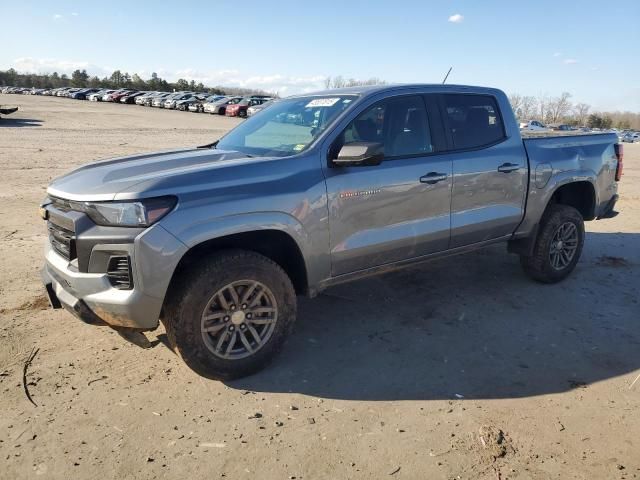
point(400, 124)
point(473, 120)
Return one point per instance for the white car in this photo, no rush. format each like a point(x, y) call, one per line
point(534, 125)
point(631, 137)
point(97, 97)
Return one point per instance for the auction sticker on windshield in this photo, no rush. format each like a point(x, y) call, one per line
point(323, 102)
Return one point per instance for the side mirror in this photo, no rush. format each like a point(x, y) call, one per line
point(360, 154)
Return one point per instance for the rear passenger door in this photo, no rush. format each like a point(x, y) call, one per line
point(489, 173)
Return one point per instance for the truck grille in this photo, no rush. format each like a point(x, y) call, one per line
point(119, 272)
point(62, 240)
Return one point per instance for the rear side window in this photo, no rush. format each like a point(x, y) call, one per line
point(473, 120)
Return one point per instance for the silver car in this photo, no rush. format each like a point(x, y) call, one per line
point(631, 137)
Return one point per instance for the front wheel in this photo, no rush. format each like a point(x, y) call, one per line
point(558, 245)
point(230, 315)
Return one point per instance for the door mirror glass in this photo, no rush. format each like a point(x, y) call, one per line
point(359, 154)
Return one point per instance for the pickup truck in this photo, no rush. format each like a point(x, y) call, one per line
point(218, 241)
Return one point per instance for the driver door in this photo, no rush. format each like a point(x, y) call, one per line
point(400, 209)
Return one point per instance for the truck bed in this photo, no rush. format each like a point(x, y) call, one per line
point(554, 160)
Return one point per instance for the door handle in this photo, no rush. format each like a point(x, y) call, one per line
point(508, 167)
point(433, 177)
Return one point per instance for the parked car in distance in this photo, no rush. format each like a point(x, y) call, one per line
point(240, 109)
point(222, 238)
point(198, 106)
point(84, 93)
point(159, 100)
point(631, 137)
point(62, 91)
point(534, 125)
point(115, 97)
point(70, 92)
point(183, 105)
point(220, 107)
point(253, 109)
point(142, 99)
point(562, 128)
point(98, 96)
point(171, 102)
point(130, 98)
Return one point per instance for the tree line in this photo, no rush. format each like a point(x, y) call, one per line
point(117, 80)
point(560, 109)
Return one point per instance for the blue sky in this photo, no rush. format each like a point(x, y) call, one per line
point(588, 48)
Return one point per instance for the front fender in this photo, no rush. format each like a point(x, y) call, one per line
point(316, 257)
point(212, 228)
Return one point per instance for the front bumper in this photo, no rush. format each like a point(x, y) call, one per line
point(91, 297)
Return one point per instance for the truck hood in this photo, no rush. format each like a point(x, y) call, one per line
point(103, 180)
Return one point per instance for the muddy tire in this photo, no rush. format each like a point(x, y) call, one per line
point(229, 315)
point(558, 245)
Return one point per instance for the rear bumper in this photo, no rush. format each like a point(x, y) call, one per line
point(608, 210)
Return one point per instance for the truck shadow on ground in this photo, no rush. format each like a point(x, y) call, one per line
point(471, 326)
point(15, 122)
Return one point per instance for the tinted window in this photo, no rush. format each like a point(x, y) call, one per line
point(473, 120)
point(400, 124)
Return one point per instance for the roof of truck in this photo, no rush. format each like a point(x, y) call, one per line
point(367, 90)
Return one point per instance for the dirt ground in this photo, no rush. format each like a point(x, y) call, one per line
point(460, 368)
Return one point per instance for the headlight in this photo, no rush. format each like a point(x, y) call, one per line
point(137, 213)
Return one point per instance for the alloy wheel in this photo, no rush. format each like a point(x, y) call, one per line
point(239, 319)
point(563, 245)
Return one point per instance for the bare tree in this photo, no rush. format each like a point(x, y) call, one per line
point(340, 82)
point(558, 107)
point(528, 108)
point(543, 106)
point(581, 112)
point(515, 99)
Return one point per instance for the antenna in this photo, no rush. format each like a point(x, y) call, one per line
point(447, 75)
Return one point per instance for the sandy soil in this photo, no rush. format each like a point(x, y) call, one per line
point(462, 368)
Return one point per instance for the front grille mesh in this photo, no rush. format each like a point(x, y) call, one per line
point(119, 272)
point(62, 240)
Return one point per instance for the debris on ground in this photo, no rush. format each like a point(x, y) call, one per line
point(494, 443)
point(27, 363)
point(611, 261)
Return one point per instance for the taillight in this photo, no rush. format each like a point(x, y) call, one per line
point(619, 149)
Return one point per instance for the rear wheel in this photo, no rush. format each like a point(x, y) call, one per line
point(231, 314)
point(558, 245)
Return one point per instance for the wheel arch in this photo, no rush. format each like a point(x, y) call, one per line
point(575, 191)
point(580, 194)
point(276, 243)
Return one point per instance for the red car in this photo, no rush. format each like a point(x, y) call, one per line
point(116, 96)
point(240, 109)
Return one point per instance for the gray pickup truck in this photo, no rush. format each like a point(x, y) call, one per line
point(217, 241)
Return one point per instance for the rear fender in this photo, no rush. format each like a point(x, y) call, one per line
point(538, 198)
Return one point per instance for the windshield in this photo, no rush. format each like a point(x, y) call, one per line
point(287, 127)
